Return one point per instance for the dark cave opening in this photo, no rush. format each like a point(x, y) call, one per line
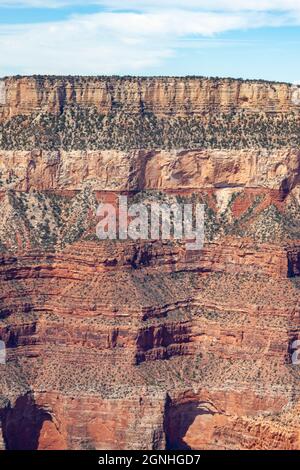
point(179, 417)
point(22, 423)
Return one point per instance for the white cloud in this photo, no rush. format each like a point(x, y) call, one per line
point(83, 45)
point(173, 23)
point(125, 42)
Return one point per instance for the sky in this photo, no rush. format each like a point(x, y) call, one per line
point(255, 39)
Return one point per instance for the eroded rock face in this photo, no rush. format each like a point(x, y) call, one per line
point(161, 96)
point(101, 113)
point(145, 344)
point(111, 170)
point(111, 341)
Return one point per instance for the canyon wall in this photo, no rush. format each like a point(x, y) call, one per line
point(130, 113)
point(145, 344)
point(111, 170)
point(161, 96)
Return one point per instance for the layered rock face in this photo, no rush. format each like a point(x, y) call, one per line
point(161, 96)
point(119, 344)
point(85, 113)
point(112, 170)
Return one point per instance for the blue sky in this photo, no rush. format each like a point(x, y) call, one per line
point(237, 38)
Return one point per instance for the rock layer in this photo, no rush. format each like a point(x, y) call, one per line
point(161, 96)
point(112, 170)
point(102, 113)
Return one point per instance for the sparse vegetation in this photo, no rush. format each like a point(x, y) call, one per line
point(80, 128)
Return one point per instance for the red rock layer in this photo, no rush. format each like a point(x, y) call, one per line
point(165, 351)
point(116, 345)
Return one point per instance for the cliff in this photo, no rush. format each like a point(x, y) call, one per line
point(90, 113)
point(112, 170)
point(162, 96)
point(144, 344)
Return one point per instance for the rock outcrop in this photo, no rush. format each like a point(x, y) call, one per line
point(85, 113)
point(113, 170)
point(119, 344)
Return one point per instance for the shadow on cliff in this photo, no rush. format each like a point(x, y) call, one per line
point(179, 418)
point(21, 425)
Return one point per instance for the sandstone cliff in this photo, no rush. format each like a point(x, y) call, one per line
point(85, 113)
point(161, 96)
point(150, 170)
